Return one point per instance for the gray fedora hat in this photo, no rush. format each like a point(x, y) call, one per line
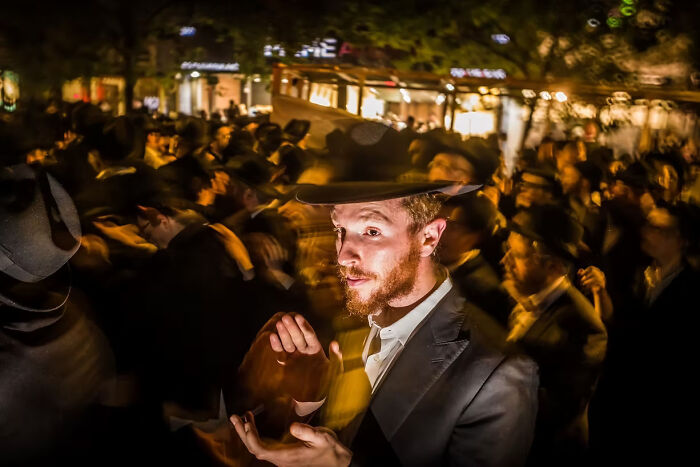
point(39, 233)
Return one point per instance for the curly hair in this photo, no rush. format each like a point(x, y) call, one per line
point(422, 209)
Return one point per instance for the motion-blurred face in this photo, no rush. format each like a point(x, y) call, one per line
point(570, 179)
point(156, 229)
point(378, 254)
point(452, 167)
point(223, 136)
point(533, 190)
point(661, 238)
point(523, 265)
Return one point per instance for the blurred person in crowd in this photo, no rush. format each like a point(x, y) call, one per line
point(268, 137)
point(580, 184)
point(471, 222)
point(669, 171)
point(557, 326)
point(54, 362)
point(157, 145)
point(567, 153)
point(387, 234)
point(216, 152)
point(537, 186)
point(656, 332)
point(195, 303)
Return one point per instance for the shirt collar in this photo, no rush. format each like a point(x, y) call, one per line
point(403, 328)
point(546, 296)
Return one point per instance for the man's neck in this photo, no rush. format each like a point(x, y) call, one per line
point(391, 314)
point(669, 264)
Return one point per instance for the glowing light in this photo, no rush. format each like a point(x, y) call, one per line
point(405, 95)
point(187, 31)
point(256, 79)
point(545, 95)
point(628, 10)
point(594, 23)
point(529, 94)
point(178, 75)
point(285, 80)
point(621, 96)
point(483, 89)
point(495, 91)
point(560, 96)
point(478, 73)
point(440, 99)
point(500, 38)
point(614, 22)
point(475, 123)
point(195, 74)
point(629, 2)
point(450, 86)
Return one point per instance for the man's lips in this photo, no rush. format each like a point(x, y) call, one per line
point(355, 281)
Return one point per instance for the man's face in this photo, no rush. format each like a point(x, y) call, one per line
point(661, 238)
point(533, 190)
point(223, 136)
point(378, 257)
point(452, 167)
point(155, 231)
point(523, 265)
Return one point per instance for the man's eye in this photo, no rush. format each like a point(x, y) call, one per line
point(372, 232)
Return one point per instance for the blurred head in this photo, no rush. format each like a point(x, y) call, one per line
point(160, 226)
point(385, 251)
point(661, 236)
point(452, 167)
point(570, 179)
point(469, 222)
point(536, 187)
point(223, 136)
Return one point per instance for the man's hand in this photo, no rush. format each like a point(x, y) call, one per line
point(592, 279)
point(294, 340)
point(317, 446)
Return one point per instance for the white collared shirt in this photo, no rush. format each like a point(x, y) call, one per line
point(524, 315)
point(395, 336)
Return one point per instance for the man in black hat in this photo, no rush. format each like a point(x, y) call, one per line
point(53, 359)
point(557, 326)
point(436, 391)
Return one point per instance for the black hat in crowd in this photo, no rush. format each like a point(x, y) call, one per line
point(40, 232)
point(254, 172)
point(552, 226)
point(479, 154)
point(636, 175)
point(269, 136)
point(295, 130)
point(372, 152)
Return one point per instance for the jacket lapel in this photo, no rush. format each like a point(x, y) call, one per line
point(431, 350)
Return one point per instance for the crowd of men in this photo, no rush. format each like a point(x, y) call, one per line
point(204, 284)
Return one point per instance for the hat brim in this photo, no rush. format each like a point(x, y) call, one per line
point(359, 192)
point(43, 296)
point(558, 249)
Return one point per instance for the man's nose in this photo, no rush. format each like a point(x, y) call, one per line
point(347, 252)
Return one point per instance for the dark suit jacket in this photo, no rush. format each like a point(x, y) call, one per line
point(450, 398)
point(568, 342)
point(479, 283)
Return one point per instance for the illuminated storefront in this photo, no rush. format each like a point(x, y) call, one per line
point(9, 90)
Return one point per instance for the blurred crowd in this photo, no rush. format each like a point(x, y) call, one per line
point(191, 240)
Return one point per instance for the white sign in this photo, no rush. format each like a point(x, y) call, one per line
point(187, 31)
point(500, 38)
point(210, 66)
point(320, 48)
point(478, 73)
point(151, 102)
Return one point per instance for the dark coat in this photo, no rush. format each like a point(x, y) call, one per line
point(450, 398)
point(479, 283)
point(568, 342)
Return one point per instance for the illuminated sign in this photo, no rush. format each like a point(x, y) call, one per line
point(320, 48)
point(210, 66)
point(188, 31)
point(478, 73)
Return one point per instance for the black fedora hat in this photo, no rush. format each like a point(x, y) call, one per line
point(253, 171)
point(372, 152)
point(295, 130)
point(552, 226)
point(40, 233)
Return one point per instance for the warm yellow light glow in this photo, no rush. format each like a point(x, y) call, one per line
point(483, 89)
point(529, 94)
point(475, 123)
point(560, 96)
point(545, 95)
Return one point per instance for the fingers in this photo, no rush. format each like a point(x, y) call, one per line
point(285, 337)
point(309, 333)
point(298, 338)
point(248, 433)
point(275, 343)
point(307, 434)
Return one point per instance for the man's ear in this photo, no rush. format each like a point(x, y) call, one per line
point(431, 234)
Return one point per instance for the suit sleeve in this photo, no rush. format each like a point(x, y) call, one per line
point(497, 427)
